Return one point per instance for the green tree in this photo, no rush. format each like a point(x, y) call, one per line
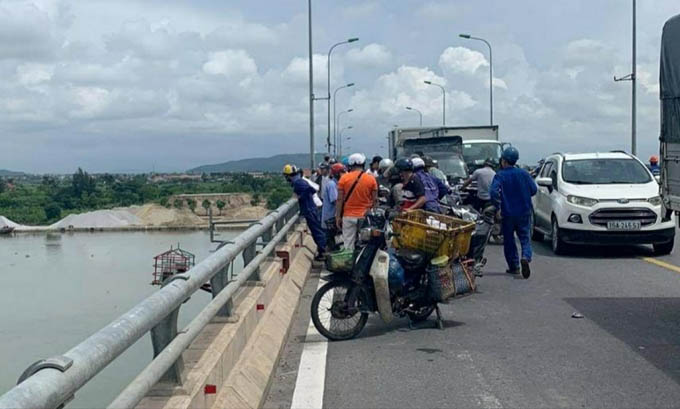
point(192, 205)
point(164, 201)
point(3, 185)
point(82, 182)
point(278, 197)
point(178, 203)
point(206, 205)
point(220, 206)
point(52, 211)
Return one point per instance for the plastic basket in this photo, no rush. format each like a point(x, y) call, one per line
point(340, 261)
point(433, 234)
point(440, 279)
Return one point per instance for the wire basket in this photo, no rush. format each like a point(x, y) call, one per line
point(431, 233)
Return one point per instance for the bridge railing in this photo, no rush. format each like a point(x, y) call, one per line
point(53, 382)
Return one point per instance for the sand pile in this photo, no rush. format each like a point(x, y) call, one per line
point(7, 222)
point(245, 213)
point(99, 219)
point(156, 215)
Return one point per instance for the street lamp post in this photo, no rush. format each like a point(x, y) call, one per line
point(469, 37)
point(419, 113)
point(335, 93)
point(328, 64)
point(337, 123)
point(340, 137)
point(632, 78)
point(443, 100)
point(311, 89)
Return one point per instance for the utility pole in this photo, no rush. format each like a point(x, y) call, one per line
point(633, 79)
point(328, 96)
point(469, 37)
point(443, 100)
point(311, 90)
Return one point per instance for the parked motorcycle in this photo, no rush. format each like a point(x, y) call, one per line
point(340, 307)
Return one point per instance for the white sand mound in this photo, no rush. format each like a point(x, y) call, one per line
point(156, 215)
point(99, 219)
point(7, 222)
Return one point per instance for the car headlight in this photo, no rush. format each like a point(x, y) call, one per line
point(581, 201)
point(655, 201)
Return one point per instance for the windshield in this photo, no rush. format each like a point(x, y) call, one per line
point(604, 172)
point(452, 166)
point(477, 153)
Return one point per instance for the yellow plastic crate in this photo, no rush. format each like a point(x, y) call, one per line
point(433, 234)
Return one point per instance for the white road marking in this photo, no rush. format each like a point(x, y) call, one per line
point(310, 383)
point(486, 398)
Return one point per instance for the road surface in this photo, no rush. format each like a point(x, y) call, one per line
point(514, 344)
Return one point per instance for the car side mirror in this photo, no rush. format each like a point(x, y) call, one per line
point(545, 182)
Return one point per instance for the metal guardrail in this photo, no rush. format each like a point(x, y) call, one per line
point(51, 383)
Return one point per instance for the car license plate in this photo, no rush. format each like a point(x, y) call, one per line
point(624, 225)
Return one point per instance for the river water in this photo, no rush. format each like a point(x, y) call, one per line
point(57, 289)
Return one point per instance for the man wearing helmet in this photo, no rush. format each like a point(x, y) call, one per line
point(654, 165)
point(383, 176)
point(330, 198)
point(308, 209)
point(375, 166)
point(513, 188)
point(357, 192)
point(433, 187)
point(483, 176)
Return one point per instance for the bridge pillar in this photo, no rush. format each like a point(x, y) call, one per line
point(161, 335)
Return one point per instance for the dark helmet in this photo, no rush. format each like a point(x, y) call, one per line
point(490, 162)
point(376, 159)
point(510, 155)
point(404, 165)
point(429, 162)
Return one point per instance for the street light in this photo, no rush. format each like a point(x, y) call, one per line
point(328, 64)
point(337, 123)
point(443, 100)
point(632, 78)
point(311, 88)
point(469, 37)
point(351, 84)
point(340, 138)
point(419, 113)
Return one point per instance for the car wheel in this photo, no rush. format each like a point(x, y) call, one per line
point(559, 247)
point(535, 234)
point(664, 248)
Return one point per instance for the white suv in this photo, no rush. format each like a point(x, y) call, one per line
point(600, 198)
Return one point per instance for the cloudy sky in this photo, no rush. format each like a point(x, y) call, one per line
point(127, 85)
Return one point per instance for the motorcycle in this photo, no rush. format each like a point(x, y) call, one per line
point(484, 228)
point(340, 308)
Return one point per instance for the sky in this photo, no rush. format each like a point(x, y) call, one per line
point(142, 85)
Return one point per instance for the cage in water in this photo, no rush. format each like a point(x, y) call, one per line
point(171, 262)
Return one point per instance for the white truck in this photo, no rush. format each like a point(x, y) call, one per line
point(669, 93)
point(474, 143)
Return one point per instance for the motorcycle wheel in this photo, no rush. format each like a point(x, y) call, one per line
point(422, 314)
point(333, 316)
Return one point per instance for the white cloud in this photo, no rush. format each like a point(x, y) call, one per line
point(439, 11)
point(373, 55)
point(363, 10)
point(462, 60)
point(230, 63)
point(32, 74)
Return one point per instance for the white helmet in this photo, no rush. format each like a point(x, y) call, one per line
point(357, 159)
point(385, 163)
point(418, 163)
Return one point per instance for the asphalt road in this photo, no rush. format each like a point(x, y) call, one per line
point(514, 344)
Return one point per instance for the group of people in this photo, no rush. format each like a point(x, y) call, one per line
point(339, 194)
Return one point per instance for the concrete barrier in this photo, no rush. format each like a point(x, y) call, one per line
point(231, 363)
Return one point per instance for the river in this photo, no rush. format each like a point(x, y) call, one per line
point(58, 289)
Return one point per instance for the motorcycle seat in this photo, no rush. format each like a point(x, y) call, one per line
point(411, 259)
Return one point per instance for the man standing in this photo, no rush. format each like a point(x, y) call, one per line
point(375, 166)
point(513, 188)
point(484, 177)
point(654, 165)
point(412, 190)
point(432, 169)
point(357, 192)
point(308, 209)
point(330, 197)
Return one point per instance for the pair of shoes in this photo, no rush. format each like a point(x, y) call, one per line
point(513, 271)
point(320, 257)
point(526, 270)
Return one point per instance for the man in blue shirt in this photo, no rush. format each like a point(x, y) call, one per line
point(654, 165)
point(329, 196)
point(513, 188)
point(305, 194)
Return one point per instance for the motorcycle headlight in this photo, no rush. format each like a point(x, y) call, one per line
point(655, 201)
point(581, 201)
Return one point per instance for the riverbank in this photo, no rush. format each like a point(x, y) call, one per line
point(150, 217)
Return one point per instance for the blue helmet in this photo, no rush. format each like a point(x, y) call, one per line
point(344, 160)
point(510, 154)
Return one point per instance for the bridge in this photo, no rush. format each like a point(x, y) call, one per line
point(597, 328)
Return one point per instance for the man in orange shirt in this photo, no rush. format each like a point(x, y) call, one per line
point(357, 192)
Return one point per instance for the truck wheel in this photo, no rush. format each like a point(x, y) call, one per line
point(535, 234)
point(559, 247)
point(664, 248)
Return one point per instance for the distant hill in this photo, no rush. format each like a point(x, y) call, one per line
point(9, 173)
point(271, 164)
